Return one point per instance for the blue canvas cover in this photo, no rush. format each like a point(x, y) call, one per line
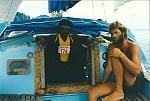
point(50, 25)
point(57, 5)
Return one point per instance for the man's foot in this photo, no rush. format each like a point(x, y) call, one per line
point(115, 96)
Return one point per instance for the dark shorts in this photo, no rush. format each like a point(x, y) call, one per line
point(136, 86)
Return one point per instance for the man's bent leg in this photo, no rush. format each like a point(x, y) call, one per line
point(118, 73)
point(101, 90)
point(134, 88)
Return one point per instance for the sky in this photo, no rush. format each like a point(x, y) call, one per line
point(134, 14)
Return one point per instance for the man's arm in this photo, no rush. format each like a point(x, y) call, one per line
point(108, 68)
point(133, 65)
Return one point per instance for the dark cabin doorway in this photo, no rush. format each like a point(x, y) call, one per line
point(77, 71)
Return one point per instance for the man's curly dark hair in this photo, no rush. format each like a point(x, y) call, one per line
point(118, 25)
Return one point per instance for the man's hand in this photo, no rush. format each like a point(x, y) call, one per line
point(41, 41)
point(116, 52)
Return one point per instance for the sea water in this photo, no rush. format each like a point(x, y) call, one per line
point(143, 39)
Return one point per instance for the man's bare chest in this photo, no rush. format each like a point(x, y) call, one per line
point(126, 51)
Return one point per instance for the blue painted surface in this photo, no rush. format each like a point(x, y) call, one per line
point(103, 49)
point(2, 26)
point(66, 97)
point(16, 84)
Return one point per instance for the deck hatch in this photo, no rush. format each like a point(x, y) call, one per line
point(83, 68)
point(18, 66)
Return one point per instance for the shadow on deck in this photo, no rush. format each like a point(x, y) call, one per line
point(136, 97)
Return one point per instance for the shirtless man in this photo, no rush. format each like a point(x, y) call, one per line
point(124, 60)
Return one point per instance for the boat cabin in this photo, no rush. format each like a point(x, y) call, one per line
point(84, 70)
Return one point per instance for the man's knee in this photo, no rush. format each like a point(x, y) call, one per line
point(116, 63)
point(91, 92)
point(114, 60)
